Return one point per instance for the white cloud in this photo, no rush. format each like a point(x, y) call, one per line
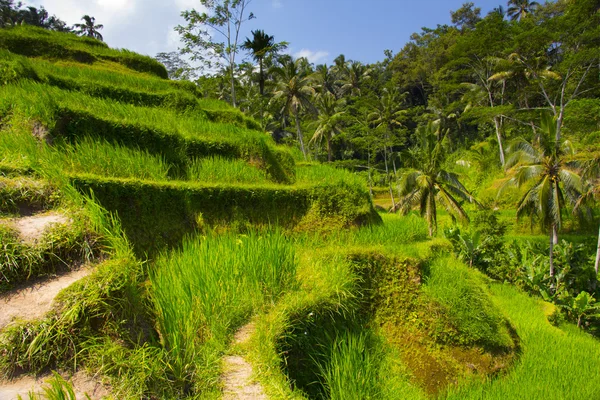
point(312, 56)
point(277, 3)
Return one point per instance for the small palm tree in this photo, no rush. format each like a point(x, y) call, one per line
point(519, 9)
point(295, 92)
point(89, 28)
point(430, 185)
point(556, 184)
point(260, 45)
point(329, 120)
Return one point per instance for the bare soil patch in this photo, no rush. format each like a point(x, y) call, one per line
point(237, 376)
point(82, 384)
point(33, 227)
point(35, 300)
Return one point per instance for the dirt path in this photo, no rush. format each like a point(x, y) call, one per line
point(32, 228)
point(82, 384)
point(34, 301)
point(237, 376)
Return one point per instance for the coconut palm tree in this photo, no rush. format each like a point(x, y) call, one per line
point(295, 92)
point(260, 45)
point(556, 184)
point(89, 28)
point(519, 9)
point(326, 79)
point(429, 184)
point(329, 120)
point(353, 78)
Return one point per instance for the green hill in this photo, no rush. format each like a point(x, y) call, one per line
point(197, 226)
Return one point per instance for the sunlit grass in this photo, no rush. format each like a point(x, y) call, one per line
point(555, 364)
point(209, 287)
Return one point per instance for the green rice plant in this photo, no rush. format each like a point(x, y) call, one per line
point(108, 159)
point(395, 230)
point(218, 169)
point(353, 370)
point(209, 287)
point(555, 363)
point(318, 173)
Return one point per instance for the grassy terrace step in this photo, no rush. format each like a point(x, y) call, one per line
point(20, 195)
point(124, 87)
point(159, 214)
point(178, 138)
point(36, 42)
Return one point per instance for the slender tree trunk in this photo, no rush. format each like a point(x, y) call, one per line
point(553, 239)
point(328, 148)
point(597, 254)
point(232, 87)
point(387, 174)
point(371, 192)
point(300, 139)
point(261, 78)
point(499, 137)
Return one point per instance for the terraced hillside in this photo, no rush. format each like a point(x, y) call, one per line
point(156, 244)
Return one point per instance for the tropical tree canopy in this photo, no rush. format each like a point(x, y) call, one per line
point(89, 28)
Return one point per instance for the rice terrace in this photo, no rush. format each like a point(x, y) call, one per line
point(242, 219)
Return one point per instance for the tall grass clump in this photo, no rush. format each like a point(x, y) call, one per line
point(307, 173)
point(353, 370)
point(222, 170)
point(100, 157)
point(205, 290)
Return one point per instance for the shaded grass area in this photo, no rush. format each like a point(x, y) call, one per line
point(555, 363)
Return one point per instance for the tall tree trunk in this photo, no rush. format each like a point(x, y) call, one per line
point(299, 131)
point(553, 239)
point(371, 191)
point(261, 78)
point(597, 253)
point(328, 148)
point(232, 87)
point(387, 175)
point(499, 137)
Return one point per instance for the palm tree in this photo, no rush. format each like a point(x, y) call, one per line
point(353, 78)
point(556, 185)
point(326, 79)
point(88, 28)
point(429, 184)
point(260, 45)
point(519, 9)
point(295, 91)
point(329, 120)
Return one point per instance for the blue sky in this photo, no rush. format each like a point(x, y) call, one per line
point(318, 29)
